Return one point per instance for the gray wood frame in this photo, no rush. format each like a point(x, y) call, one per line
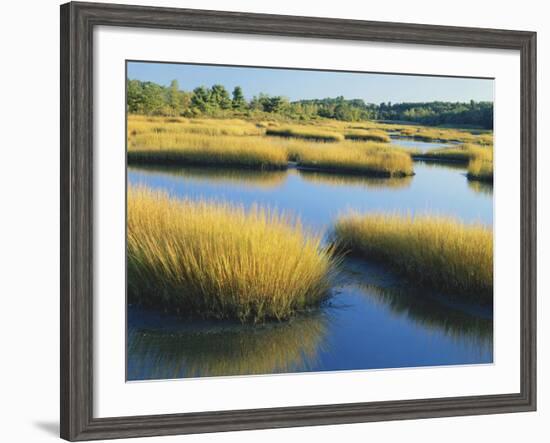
point(77, 23)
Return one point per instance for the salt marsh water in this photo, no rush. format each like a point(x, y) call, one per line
point(372, 320)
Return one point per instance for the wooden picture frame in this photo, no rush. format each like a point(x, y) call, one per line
point(77, 217)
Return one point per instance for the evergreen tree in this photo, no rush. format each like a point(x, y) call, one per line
point(238, 101)
point(219, 97)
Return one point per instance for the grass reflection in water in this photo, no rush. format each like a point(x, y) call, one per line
point(243, 177)
point(209, 349)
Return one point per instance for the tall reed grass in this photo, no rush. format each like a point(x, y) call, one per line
point(305, 132)
point(481, 169)
point(433, 251)
point(374, 135)
point(181, 148)
point(204, 150)
point(356, 158)
point(460, 153)
point(478, 158)
point(150, 125)
point(444, 134)
point(221, 261)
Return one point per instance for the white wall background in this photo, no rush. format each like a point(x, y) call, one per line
point(29, 234)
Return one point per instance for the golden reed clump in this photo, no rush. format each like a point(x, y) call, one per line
point(435, 251)
point(222, 261)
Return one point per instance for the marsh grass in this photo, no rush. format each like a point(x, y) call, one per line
point(478, 158)
point(356, 158)
point(447, 135)
point(481, 169)
point(206, 150)
point(433, 251)
point(375, 135)
point(222, 261)
point(174, 147)
point(460, 153)
point(176, 125)
point(305, 132)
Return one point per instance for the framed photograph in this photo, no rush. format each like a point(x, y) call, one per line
point(272, 221)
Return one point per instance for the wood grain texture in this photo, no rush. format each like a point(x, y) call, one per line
point(77, 23)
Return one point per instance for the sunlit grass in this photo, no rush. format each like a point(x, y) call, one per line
point(478, 158)
point(305, 132)
point(480, 169)
point(444, 134)
point(222, 261)
point(152, 125)
point(460, 153)
point(433, 251)
point(356, 158)
point(205, 150)
point(375, 135)
point(174, 147)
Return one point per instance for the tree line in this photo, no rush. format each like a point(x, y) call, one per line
point(153, 99)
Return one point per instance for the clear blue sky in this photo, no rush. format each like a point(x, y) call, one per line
point(301, 84)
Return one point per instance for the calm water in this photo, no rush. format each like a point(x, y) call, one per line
point(411, 143)
point(371, 321)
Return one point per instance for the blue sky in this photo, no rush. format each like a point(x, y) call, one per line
point(301, 84)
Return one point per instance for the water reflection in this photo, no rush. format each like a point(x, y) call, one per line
point(354, 180)
point(372, 320)
point(450, 166)
point(244, 177)
point(161, 347)
point(432, 311)
point(320, 198)
point(481, 187)
point(417, 145)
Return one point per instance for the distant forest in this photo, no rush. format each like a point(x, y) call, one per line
point(152, 99)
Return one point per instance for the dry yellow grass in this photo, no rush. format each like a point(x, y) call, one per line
point(480, 169)
point(176, 147)
point(478, 158)
point(375, 135)
point(356, 158)
point(176, 125)
point(206, 150)
point(460, 153)
point(222, 261)
point(444, 134)
point(307, 132)
point(434, 251)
